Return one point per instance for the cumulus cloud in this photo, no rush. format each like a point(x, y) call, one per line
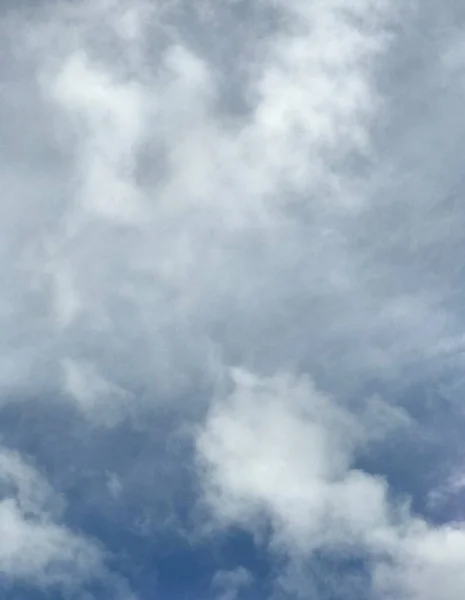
point(277, 448)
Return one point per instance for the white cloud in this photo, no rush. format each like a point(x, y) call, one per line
point(109, 118)
point(230, 583)
point(279, 448)
point(42, 552)
point(281, 443)
point(36, 549)
point(100, 400)
point(21, 480)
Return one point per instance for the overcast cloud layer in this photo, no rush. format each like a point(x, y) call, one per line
point(232, 298)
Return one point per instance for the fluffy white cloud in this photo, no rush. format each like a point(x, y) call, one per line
point(281, 444)
point(277, 448)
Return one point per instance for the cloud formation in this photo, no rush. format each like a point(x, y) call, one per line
point(231, 251)
point(278, 449)
point(37, 549)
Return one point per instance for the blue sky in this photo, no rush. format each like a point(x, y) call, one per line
point(233, 334)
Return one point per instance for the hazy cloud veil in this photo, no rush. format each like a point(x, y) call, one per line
point(232, 324)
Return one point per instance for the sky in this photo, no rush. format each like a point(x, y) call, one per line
point(232, 298)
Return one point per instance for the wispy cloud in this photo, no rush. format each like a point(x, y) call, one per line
point(37, 548)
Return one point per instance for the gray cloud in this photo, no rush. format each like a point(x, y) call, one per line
point(187, 188)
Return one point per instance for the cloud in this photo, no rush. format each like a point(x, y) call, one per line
point(96, 396)
point(275, 185)
point(186, 235)
point(280, 443)
point(230, 583)
point(37, 549)
point(278, 449)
